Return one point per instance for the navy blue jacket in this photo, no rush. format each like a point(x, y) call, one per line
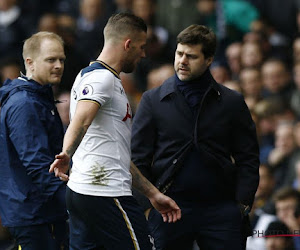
point(31, 134)
point(164, 123)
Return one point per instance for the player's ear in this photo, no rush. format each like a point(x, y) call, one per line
point(127, 44)
point(209, 61)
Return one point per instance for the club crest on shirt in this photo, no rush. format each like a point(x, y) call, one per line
point(87, 90)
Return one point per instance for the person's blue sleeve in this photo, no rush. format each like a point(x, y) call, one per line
point(27, 131)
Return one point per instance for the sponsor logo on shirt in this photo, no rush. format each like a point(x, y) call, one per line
point(75, 95)
point(128, 113)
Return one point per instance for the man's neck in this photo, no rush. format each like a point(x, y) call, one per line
point(114, 60)
point(29, 77)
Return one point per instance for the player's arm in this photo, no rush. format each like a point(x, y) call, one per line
point(83, 117)
point(162, 203)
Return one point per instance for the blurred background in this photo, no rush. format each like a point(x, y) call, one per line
point(258, 55)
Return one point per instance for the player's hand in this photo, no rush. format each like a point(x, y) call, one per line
point(60, 166)
point(166, 206)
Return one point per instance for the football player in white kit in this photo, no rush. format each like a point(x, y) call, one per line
point(103, 212)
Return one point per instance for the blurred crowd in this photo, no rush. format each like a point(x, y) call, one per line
point(258, 55)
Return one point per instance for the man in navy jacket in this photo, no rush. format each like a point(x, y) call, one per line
point(32, 203)
point(216, 183)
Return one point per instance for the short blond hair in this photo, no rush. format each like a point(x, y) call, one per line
point(122, 24)
point(32, 45)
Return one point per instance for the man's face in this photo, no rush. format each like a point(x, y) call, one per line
point(285, 208)
point(190, 62)
point(284, 139)
point(274, 76)
point(48, 66)
point(136, 52)
point(250, 81)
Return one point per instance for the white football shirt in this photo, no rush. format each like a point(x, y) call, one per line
point(101, 163)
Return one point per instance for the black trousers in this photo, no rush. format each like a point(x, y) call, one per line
point(106, 223)
point(212, 225)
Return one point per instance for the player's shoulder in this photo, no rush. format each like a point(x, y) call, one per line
point(98, 75)
point(97, 71)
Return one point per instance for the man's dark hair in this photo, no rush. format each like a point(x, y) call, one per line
point(286, 193)
point(276, 228)
point(122, 24)
point(199, 34)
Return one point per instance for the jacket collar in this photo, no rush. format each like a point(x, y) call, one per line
point(23, 83)
point(169, 87)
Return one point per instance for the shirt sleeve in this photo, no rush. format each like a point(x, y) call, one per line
point(97, 87)
point(246, 153)
point(29, 136)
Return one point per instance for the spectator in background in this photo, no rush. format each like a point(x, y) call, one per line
point(251, 55)
point(158, 75)
point(63, 108)
point(265, 188)
point(259, 37)
point(263, 211)
point(230, 19)
point(175, 15)
point(276, 80)
point(146, 10)
point(157, 55)
point(48, 22)
point(262, 33)
point(233, 56)
point(277, 228)
point(234, 85)
point(284, 155)
point(91, 20)
point(296, 49)
point(220, 71)
point(67, 7)
point(295, 96)
point(32, 201)
point(131, 90)
point(123, 6)
point(10, 68)
point(286, 201)
point(14, 28)
point(270, 11)
point(159, 49)
point(268, 113)
point(296, 177)
point(274, 43)
point(251, 85)
point(292, 178)
point(74, 62)
point(297, 133)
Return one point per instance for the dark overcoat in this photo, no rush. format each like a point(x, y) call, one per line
point(223, 132)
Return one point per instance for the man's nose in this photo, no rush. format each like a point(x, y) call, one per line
point(183, 59)
point(59, 64)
